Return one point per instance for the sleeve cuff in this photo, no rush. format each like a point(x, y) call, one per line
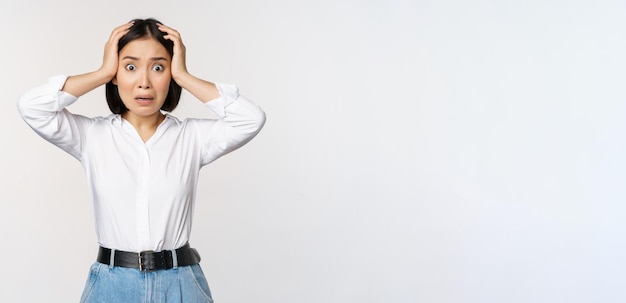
point(228, 94)
point(55, 84)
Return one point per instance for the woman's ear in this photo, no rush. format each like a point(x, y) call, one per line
point(114, 80)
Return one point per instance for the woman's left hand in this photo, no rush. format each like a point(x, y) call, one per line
point(178, 66)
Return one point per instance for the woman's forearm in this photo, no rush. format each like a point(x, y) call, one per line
point(81, 84)
point(205, 91)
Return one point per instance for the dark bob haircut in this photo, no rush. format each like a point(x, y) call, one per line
point(144, 28)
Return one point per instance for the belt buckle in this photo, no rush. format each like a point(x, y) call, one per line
point(142, 257)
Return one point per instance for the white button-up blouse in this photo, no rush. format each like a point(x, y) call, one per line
point(143, 192)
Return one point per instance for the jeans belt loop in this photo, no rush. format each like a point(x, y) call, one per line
point(174, 259)
point(112, 258)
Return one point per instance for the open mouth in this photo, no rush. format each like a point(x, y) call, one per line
point(144, 99)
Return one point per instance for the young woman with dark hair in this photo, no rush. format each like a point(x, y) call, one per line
point(142, 164)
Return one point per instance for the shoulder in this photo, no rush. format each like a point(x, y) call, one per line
point(106, 120)
point(192, 122)
point(101, 123)
point(198, 128)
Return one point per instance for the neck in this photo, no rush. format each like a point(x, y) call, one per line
point(144, 122)
point(145, 125)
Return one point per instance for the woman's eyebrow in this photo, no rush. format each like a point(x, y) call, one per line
point(153, 58)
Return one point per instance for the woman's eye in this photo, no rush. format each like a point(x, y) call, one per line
point(157, 68)
point(130, 67)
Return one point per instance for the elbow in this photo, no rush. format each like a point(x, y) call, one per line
point(22, 106)
point(257, 124)
point(260, 120)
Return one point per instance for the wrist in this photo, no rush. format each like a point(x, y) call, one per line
point(105, 75)
point(182, 78)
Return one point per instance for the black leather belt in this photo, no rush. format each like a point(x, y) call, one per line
point(148, 261)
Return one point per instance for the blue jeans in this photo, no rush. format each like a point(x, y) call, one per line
point(129, 285)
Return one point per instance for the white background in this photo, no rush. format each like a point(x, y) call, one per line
point(415, 151)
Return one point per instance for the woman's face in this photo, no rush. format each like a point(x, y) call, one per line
point(143, 76)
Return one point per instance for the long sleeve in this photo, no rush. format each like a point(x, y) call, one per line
point(240, 120)
point(43, 109)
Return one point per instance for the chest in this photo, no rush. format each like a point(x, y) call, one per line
point(117, 160)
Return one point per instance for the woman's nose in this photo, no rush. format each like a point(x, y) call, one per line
point(144, 81)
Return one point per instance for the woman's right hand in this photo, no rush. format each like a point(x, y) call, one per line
point(110, 60)
point(81, 84)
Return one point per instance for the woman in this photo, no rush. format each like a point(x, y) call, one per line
point(142, 164)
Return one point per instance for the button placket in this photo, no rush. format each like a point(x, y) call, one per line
point(142, 202)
